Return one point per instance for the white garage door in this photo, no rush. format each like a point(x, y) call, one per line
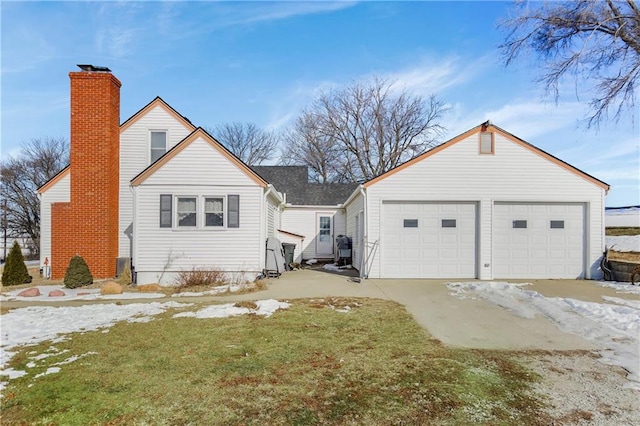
point(428, 240)
point(538, 240)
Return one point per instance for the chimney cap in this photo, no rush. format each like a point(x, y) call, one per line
point(93, 68)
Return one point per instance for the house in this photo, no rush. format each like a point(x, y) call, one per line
point(165, 196)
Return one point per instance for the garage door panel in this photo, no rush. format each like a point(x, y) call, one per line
point(538, 250)
point(429, 250)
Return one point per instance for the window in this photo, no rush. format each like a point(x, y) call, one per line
point(448, 223)
point(486, 143)
point(186, 211)
point(158, 144)
point(166, 201)
point(519, 224)
point(556, 224)
point(214, 211)
point(201, 212)
point(411, 223)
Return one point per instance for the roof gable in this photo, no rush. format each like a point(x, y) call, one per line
point(157, 102)
point(197, 134)
point(492, 128)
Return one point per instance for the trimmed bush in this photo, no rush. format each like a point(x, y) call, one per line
point(15, 271)
point(78, 273)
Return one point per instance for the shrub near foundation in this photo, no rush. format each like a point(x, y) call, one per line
point(199, 277)
point(78, 273)
point(15, 271)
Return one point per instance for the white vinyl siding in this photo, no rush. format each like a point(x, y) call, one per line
point(134, 158)
point(513, 174)
point(198, 171)
point(232, 250)
point(272, 217)
point(355, 219)
point(57, 193)
point(303, 221)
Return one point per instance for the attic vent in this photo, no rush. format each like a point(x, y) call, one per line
point(486, 143)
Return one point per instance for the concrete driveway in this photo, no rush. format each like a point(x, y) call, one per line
point(462, 323)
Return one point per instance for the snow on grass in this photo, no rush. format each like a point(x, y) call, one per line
point(232, 288)
point(73, 294)
point(335, 268)
point(620, 287)
point(623, 243)
point(35, 324)
point(614, 326)
point(264, 308)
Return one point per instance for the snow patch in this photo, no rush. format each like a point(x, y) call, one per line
point(623, 243)
point(264, 308)
point(35, 324)
point(614, 326)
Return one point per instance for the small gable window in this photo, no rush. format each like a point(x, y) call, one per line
point(158, 144)
point(486, 143)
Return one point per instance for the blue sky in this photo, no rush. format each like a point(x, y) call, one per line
point(263, 62)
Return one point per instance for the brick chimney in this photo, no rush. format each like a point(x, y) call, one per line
point(88, 224)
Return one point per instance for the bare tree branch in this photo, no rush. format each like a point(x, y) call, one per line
point(364, 130)
point(594, 41)
point(246, 141)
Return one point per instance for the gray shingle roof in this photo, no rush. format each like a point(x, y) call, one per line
point(294, 181)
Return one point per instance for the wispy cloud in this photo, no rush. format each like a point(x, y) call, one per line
point(436, 76)
point(268, 11)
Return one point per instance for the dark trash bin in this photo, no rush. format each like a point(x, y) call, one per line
point(288, 253)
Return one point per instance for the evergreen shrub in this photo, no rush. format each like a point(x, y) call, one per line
point(15, 271)
point(78, 273)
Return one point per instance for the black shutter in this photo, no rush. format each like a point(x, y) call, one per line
point(233, 211)
point(166, 203)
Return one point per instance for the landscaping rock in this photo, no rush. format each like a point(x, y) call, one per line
point(30, 292)
point(56, 293)
point(149, 288)
point(111, 287)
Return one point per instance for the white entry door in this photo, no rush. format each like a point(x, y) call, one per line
point(324, 235)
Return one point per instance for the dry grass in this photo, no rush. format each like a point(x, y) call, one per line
point(308, 365)
point(628, 256)
point(619, 231)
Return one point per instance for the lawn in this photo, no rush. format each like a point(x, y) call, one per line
point(310, 364)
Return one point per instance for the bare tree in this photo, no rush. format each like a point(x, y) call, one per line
point(305, 144)
point(246, 141)
point(366, 129)
point(594, 40)
point(38, 161)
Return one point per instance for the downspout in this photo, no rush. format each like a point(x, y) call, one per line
point(134, 236)
point(365, 227)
